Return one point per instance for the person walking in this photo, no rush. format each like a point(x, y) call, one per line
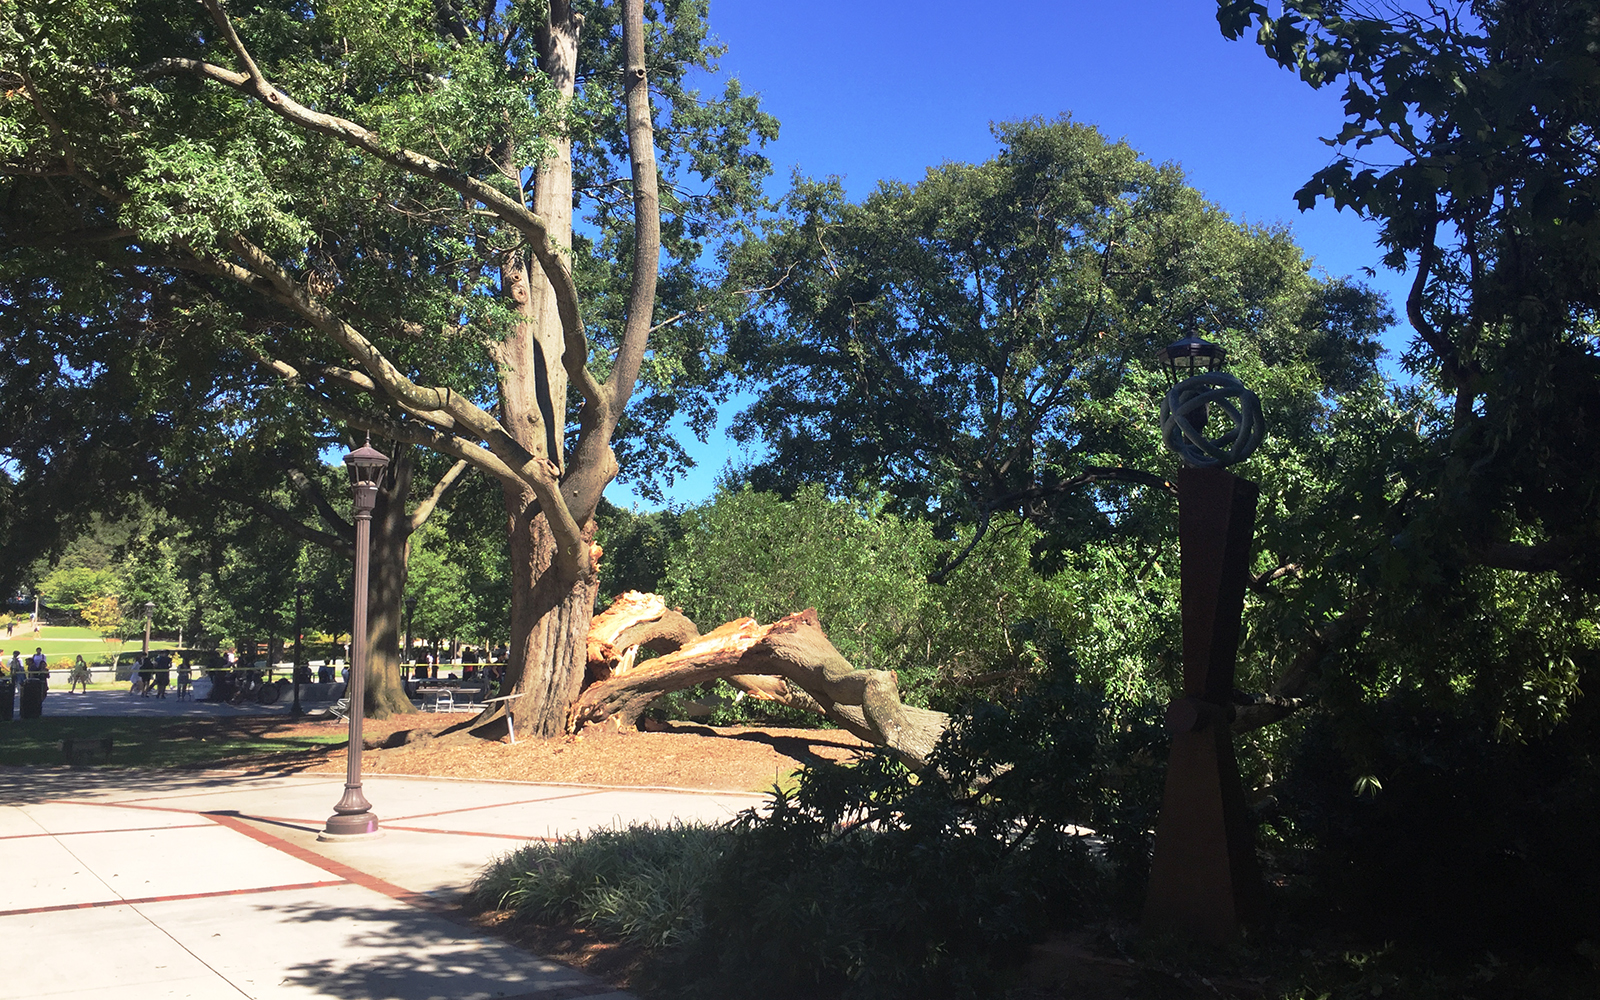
point(163, 673)
point(184, 678)
point(80, 675)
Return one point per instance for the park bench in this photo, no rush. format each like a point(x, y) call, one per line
point(81, 751)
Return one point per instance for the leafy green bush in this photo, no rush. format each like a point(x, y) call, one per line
point(1417, 825)
point(639, 884)
point(869, 880)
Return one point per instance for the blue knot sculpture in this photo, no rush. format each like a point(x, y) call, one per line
point(1190, 401)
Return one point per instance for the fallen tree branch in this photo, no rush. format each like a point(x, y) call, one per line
point(789, 661)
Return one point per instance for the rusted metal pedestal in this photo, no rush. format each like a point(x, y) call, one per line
point(1204, 884)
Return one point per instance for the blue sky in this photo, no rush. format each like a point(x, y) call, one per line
point(884, 89)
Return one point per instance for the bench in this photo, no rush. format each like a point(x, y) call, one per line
point(82, 751)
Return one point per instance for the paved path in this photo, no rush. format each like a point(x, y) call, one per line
point(61, 703)
point(134, 885)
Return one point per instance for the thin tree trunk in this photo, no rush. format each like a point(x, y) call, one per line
point(386, 588)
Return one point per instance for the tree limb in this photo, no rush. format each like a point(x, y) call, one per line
point(425, 509)
point(1542, 557)
point(312, 493)
point(513, 212)
point(287, 521)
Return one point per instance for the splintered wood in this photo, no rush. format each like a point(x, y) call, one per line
point(789, 661)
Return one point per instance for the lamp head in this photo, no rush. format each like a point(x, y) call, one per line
point(365, 465)
point(1190, 356)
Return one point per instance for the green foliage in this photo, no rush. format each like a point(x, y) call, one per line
point(74, 588)
point(752, 555)
point(641, 884)
point(637, 547)
point(982, 341)
point(867, 880)
point(1461, 841)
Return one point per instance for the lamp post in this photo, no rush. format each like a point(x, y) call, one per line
point(299, 590)
point(411, 609)
point(149, 609)
point(352, 817)
point(1203, 879)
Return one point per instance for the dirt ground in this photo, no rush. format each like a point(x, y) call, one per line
point(682, 755)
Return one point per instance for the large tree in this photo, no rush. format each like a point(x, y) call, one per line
point(1470, 137)
point(376, 204)
point(982, 342)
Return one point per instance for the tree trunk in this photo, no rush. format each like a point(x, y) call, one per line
point(550, 616)
point(790, 661)
point(386, 589)
point(550, 609)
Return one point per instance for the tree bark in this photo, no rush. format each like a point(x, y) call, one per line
point(386, 587)
point(790, 661)
point(550, 617)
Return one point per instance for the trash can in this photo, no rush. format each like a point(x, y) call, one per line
point(32, 698)
point(8, 698)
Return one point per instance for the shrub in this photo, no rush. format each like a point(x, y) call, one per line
point(869, 880)
point(640, 884)
point(1422, 826)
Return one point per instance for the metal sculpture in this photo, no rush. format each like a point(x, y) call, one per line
point(1203, 879)
point(1186, 412)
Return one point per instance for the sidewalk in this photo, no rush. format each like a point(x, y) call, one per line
point(61, 703)
point(140, 885)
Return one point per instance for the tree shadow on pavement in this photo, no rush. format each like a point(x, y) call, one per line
point(403, 952)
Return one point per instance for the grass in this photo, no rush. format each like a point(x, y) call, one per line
point(60, 641)
point(158, 743)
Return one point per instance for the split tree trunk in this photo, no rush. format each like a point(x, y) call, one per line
point(550, 607)
point(790, 661)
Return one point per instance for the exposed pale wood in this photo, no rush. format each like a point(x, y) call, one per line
point(789, 661)
point(634, 620)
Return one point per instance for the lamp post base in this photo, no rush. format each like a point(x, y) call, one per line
point(352, 818)
point(327, 836)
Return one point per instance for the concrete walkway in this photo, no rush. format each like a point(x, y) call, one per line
point(138, 885)
point(61, 703)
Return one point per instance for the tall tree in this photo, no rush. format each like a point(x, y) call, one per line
point(377, 205)
point(1485, 114)
point(982, 342)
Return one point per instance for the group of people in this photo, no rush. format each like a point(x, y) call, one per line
point(425, 665)
point(153, 675)
point(36, 667)
point(11, 628)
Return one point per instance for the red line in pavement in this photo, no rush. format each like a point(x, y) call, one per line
point(470, 833)
point(417, 899)
point(126, 829)
point(170, 899)
point(497, 805)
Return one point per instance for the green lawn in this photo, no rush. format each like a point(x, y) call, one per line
point(57, 642)
point(175, 743)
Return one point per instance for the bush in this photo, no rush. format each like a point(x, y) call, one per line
point(869, 880)
point(639, 884)
point(1421, 826)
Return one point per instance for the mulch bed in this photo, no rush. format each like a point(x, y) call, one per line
point(680, 755)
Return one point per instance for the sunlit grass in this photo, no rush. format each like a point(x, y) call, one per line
point(151, 743)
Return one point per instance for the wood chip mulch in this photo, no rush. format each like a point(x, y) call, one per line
point(679, 755)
